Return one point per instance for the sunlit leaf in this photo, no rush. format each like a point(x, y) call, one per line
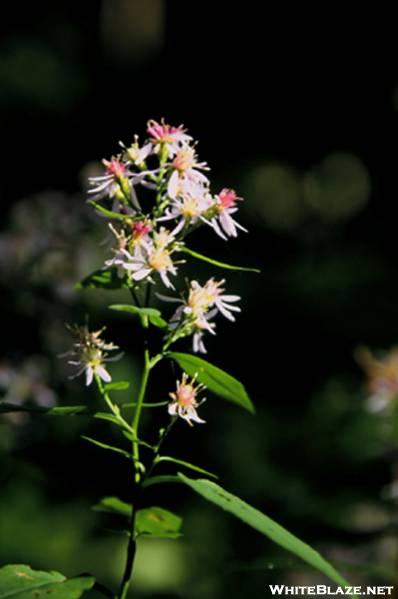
point(152, 314)
point(21, 582)
point(156, 521)
point(217, 262)
point(113, 505)
point(268, 527)
point(216, 380)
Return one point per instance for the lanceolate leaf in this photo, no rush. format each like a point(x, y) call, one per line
point(166, 458)
point(21, 582)
point(216, 380)
point(256, 519)
point(108, 447)
point(6, 408)
point(216, 262)
point(156, 521)
point(103, 279)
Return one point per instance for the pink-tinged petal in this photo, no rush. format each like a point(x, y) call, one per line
point(231, 307)
point(225, 312)
point(193, 415)
point(178, 228)
point(165, 279)
point(172, 186)
point(231, 298)
point(134, 199)
point(141, 274)
point(89, 375)
point(240, 227)
point(214, 224)
point(166, 298)
point(144, 153)
point(228, 224)
point(103, 374)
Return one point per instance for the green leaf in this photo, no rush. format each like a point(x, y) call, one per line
point(161, 479)
point(256, 519)
point(215, 379)
point(103, 279)
point(117, 386)
point(156, 521)
point(6, 408)
point(108, 417)
point(217, 262)
point(154, 315)
point(113, 505)
point(109, 213)
point(108, 447)
point(21, 582)
point(166, 458)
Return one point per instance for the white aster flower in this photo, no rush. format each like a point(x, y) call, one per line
point(195, 314)
point(168, 137)
point(108, 185)
point(186, 174)
point(222, 222)
point(184, 402)
point(136, 154)
point(187, 209)
point(89, 354)
point(154, 258)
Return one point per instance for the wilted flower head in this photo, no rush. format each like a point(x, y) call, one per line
point(382, 378)
point(89, 353)
point(184, 402)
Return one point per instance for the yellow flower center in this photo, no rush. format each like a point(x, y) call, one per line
point(160, 260)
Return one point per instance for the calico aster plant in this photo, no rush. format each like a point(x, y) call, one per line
point(149, 237)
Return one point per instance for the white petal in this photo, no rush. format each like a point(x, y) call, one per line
point(172, 408)
point(172, 186)
point(230, 298)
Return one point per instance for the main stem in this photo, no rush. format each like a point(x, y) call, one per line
point(137, 413)
point(131, 549)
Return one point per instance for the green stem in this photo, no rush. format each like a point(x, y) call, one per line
point(131, 550)
point(138, 409)
point(114, 409)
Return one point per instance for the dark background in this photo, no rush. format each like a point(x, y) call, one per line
point(299, 114)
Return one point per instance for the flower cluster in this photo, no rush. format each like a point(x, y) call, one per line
point(89, 354)
point(154, 195)
point(166, 163)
